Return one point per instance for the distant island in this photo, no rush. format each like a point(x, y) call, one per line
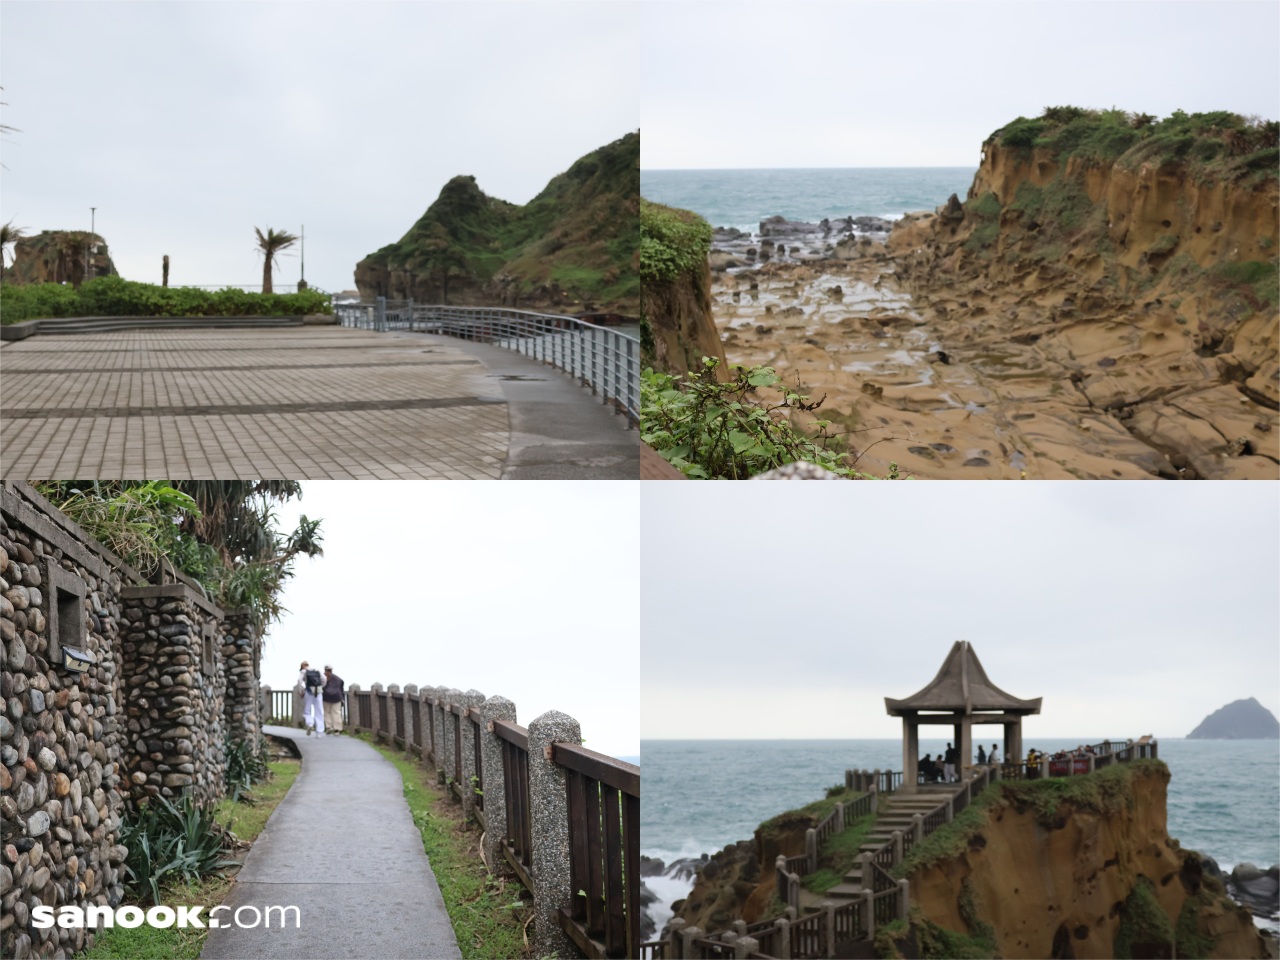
point(1240, 720)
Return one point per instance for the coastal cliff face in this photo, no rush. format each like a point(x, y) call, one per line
point(1078, 881)
point(1143, 277)
point(573, 248)
point(678, 328)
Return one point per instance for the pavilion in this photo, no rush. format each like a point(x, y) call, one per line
point(959, 696)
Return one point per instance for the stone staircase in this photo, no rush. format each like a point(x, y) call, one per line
point(897, 812)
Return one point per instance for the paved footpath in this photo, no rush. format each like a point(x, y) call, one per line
point(342, 848)
point(297, 403)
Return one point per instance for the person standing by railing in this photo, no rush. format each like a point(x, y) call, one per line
point(949, 764)
point(333, 697)
point(312, 684)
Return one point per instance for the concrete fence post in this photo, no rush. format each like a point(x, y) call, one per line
point(495, 789)
point(1092, 763)
point(393, 724)
point(375, 710)
point(745, 947)
point(410, 732)
point(450, 696)
point(780, 876)
point(917, 826)
point(470, 775)
point(811, 850)
point(783, 949)
point(739, 927)
point(675, 943)
point(904, 898)
point(353, 706)
point(438, 712)
point(951, 809)
point(264, 703)
point(828, 927)
point(549, 804)
point(848, 779)
point(875, 796)
point(424, 722)
point(897, 846)
point(687, 936)
point(868, 912)
point(839, 819)
point(295, 712)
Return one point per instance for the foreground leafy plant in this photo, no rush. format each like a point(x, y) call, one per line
point(708, 429)
point(171, 841)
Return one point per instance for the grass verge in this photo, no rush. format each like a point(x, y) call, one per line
point(172, 943)
point(489, 915)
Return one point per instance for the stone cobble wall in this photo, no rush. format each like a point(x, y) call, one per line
point(169, 677)
point(174, 681)
point(61, 737)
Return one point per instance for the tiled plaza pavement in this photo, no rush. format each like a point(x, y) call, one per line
point(307, 402)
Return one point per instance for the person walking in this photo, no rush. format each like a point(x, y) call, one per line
point(312, 684)
point(982, 755)
point(332, 696)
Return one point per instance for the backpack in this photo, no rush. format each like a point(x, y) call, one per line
point(314, 682)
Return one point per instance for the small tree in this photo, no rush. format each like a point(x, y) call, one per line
point(271, 244)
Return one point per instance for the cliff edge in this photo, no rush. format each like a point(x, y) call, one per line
point(677, 327)
point(1134, 258)
point(1077, 867)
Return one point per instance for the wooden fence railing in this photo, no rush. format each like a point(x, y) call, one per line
point(486, 761)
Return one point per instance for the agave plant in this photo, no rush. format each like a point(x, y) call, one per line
point(172, 841)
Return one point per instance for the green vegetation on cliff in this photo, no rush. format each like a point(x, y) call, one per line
point(672, 242)
point(576, 241)
point(1106, 791)
point(1220, 145)
point(115, 297)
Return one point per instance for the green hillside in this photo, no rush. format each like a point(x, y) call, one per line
point(575, 246)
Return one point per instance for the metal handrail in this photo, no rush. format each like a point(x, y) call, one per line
point(608, 361)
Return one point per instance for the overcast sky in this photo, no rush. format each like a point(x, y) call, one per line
point(188, 124)
point(882, 84)
point(528, 591)
point(784, 610)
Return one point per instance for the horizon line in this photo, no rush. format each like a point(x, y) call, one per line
point(908, 166)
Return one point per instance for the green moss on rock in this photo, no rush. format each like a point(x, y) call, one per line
point(672, 242)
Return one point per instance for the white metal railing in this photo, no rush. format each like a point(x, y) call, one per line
point(606, 360)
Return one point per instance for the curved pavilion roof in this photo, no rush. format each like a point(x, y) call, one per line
point(962, 686)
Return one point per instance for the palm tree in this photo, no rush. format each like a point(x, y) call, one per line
point(270, 245)
point(9, 235)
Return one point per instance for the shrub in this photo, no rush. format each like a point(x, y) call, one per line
point(171, 841)
point(245, 767)
point(672, 241)
point(710, 430)
point(1020, 133)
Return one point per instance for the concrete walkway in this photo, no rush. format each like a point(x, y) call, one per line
point(297, 403)
point(343, 849)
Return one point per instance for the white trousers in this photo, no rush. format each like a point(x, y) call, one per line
point(312, 712)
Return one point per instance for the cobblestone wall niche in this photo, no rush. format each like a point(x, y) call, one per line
point(62, 785)
point(174, 680)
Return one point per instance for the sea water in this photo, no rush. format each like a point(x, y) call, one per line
point(700, 795)
point(742, 198)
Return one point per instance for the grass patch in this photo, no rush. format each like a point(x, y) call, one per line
point(488, 913)
point(920, 937)
point(1262, 278)
point(1192, 943)
point(817, 811)
point(1141, 922)
point(672, 242)
point(246, 820)
point(839, 854)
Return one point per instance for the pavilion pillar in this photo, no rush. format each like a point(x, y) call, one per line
point(1013, 740)
point(964, 741)
point(910, 752)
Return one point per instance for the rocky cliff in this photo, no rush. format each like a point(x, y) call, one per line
point(1135, 262)
point(678, 328)
point(1239, 720)
point(573, 248)
point(1082, 867)
point(58, 256)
